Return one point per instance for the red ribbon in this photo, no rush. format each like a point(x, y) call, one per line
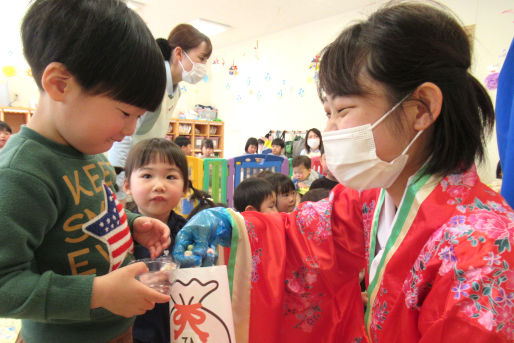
point(191, 314)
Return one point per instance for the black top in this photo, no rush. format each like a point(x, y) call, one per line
point(323, 182)
point(154, 325)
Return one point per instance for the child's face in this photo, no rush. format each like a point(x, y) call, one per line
point(187, 149)
point(252, 149)
point(286, 201)
point(4, 136)
point(276, 150)
point(89, 123)
point(300, 173)
point(156, 189)
point(207, 152)
point(269, 205)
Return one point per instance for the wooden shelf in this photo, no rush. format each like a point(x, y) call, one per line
point(16, 116)
point(197, 130)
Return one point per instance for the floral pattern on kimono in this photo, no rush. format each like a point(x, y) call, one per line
point(313, 220)
point(472, 250)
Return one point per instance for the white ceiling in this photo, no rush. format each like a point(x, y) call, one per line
point(248, 18)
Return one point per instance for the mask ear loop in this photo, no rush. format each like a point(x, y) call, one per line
point(390, 111)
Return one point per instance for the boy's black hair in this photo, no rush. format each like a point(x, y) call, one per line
point(402, 46)
point(281, 183)
point(252, 191)
point(105, 46)
point(251, 141)
point(315, 194)
point(207, 143)
point(301, 160)
point(5, 127)
point(182, 140)
point(279, 141)
point(156, 150)
point(165, 48)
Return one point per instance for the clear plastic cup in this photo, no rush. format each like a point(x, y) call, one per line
point(158, 275)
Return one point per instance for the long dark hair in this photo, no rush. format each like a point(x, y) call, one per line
point(317, 132)
point(402, 46)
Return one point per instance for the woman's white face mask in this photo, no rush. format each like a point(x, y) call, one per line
point(197, 73)
point(352, 159)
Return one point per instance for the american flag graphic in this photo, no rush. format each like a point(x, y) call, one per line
point(111, 228)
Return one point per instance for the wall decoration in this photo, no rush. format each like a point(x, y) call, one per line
point(233, 71)
point(491, 80)
point(267, 78)
point(183, 88)
point(9, 71)
point(314, 66)
point(217, 61)
point(301, 92)
point(206, 78)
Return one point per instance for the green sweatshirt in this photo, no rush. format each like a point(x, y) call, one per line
point(60, 226)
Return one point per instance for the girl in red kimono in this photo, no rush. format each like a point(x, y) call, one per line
point(406, 121)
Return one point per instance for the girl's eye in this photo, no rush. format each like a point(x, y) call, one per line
point(171, 177)
point(146, 176)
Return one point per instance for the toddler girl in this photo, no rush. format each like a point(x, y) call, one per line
point(156, 178)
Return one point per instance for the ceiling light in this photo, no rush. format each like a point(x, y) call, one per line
point(135, 5)
point(208, 27)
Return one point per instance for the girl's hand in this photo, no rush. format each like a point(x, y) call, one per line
point(120, 292)
point(152, 234)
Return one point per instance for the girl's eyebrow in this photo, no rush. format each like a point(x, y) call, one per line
point(173, 168)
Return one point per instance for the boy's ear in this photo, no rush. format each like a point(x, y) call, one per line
point(57, 81)
point(126, 187)
point(251, 208)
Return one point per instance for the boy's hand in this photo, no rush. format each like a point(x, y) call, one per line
point(152, 234)
point(120, 292)
point(301, 185)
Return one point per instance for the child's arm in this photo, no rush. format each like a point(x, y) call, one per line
point(28, 289)
point(152, 234)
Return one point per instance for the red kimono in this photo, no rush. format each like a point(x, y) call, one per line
point(444, 275)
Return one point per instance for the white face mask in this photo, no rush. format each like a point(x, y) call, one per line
point(197, 73)
point(313, 143)
point(352, 159)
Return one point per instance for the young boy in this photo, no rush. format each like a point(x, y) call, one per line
point(255, 194)
point(303, 175)
point(5, 133)
point(277, 147)
point(185, 144)
point(65, 238)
